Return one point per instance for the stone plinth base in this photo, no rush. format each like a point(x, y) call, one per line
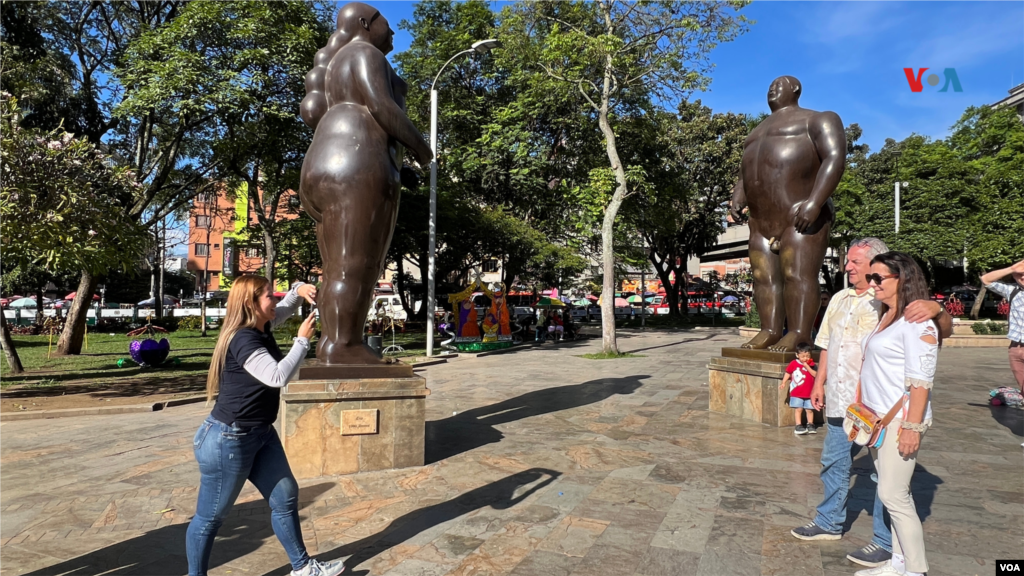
point(750, 390)
point(383, 424)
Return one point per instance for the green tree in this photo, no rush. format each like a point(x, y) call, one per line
point(616, 56)
point(991, 142)
point(503, 156)
point(682, 213)
point(237, 66)
point(60, 204)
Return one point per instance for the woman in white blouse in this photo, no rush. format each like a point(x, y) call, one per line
point(899, 367)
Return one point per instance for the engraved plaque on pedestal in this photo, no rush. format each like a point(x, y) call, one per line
point(355, 422)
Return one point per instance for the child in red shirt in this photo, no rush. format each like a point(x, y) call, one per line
point(800, 376)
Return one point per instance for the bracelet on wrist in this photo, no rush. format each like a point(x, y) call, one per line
point(914, 426)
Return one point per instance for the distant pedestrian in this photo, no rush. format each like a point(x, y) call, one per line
point(800, 377)
point(237, 442)
point(1014, 294)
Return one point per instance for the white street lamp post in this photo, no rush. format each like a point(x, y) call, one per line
point(897, 202)
point(481, 47)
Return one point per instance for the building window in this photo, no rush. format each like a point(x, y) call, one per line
point(202, 221)
point(202, 249)
point(252, 252)
point(491, 265)
point(204, 198)
point(216, 246)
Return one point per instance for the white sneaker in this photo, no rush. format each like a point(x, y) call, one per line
point(883, 570)
point(317, 568)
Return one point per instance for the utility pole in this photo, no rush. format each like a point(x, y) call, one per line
point(206, 266)
point(163, 255)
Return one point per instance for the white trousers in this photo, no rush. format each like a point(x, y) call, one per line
point(894, 474)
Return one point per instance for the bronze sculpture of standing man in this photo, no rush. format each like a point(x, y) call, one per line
point(792, 162)
point(352, 173)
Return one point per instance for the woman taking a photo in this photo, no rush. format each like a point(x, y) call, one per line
point(237, 442)
point(899, 368)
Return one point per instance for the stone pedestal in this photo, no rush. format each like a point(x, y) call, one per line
point(749, 389)
point(348, 425)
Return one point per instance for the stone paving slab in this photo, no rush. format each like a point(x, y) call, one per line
point(540, 462)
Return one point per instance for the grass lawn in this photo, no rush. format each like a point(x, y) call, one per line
point(94, 376)
point(98, 361)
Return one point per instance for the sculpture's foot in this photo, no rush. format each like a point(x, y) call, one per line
point(335, 353)
point(764, 339)
point(788, 342)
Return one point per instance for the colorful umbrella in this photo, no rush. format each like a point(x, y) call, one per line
point(74, 294)
point(634, 299)
point(591, 297)
point(621, 303)
point(547, 302)
point(582, 302)
point(23, 303)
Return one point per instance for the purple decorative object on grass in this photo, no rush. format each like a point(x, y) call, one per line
point(149, 352)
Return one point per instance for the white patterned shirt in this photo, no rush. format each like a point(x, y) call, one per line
point(849, 318)
point(1016, 332)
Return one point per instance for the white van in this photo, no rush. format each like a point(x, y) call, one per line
point(389, 305)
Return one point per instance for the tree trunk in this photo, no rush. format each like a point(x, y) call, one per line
point(400, 288)
point(608, 342)
point(39, 305)
point(976, 309)
point(13, 360)
point(163, 265)
point(269, 255)
point(70, 341)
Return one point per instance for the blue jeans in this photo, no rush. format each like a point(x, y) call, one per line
point(836, 461)
point(228, 456)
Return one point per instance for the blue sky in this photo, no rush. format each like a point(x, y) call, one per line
point(850, 58)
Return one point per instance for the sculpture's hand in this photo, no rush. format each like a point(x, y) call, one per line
point(804, 214)
point(423, 156)
point(410, 179)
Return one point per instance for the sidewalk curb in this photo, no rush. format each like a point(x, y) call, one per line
point(426, 363)
point(100, 410)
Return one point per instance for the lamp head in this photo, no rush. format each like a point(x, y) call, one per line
point(484, 46)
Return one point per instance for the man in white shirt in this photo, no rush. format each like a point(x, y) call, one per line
point(1014, 293)
point(851, 315)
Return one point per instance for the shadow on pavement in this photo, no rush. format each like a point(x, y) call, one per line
point(475, 428)
point(923, 486)
point(708, 337)
point(162, 551)
point(500, 495)
point(1011, 418)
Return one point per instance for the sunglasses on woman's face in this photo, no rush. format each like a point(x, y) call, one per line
point(877, 278)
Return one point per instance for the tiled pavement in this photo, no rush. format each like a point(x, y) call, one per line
point(544, 464)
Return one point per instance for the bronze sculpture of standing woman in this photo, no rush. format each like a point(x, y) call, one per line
point(792, 162)
point(352, 172)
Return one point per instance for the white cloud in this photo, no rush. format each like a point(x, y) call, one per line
point(970, 44)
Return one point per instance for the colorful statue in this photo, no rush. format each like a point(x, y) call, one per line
point(500, 311)
point(491, 327)
point(467, 328)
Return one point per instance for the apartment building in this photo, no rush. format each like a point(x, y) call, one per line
point(219, 227)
